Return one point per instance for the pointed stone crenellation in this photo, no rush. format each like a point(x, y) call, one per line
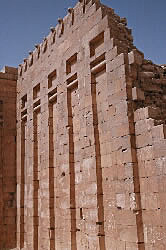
point(59, 31)
point(89, 168)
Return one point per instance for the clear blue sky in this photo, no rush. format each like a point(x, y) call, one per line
point(23, 23)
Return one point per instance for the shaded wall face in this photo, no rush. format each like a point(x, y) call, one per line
point(8, 160)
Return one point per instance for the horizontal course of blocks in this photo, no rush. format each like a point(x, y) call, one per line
point(83, 140)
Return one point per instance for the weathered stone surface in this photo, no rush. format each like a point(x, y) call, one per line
point(8, 195)
point(90, 171)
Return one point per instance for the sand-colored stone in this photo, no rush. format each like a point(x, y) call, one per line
point(82, 140)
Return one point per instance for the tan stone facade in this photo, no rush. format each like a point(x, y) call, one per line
point(8, 82)
point(91, 149)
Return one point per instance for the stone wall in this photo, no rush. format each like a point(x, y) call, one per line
point(91, 142)
point(148, 102)
point(8, 80)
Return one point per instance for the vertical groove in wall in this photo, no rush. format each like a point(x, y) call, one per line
point(22, 187)
point(51, 177)
point(100, 207)
point(35, 181)
point(139, 219)
point(136, 177)
point(72, 173)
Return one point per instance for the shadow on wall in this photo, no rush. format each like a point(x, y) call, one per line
point(8, 158)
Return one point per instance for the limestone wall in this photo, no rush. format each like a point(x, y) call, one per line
point(83, 96)
point(8, 80)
